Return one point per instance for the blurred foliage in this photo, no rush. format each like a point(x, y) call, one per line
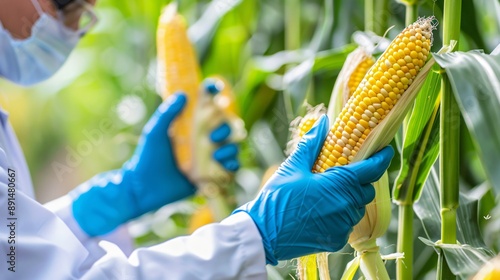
point(89, 115)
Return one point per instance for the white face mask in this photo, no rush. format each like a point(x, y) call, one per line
point(37, 58)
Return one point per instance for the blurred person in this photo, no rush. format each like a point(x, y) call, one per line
point(81, 235)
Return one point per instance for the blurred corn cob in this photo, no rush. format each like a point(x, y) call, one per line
point(362, 116)
point(179, 71)
point(489, 271)
point(202, 216)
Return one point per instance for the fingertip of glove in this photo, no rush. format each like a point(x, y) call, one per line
point(388, 151)
point(213, 86)
point(385, 156)
point(221, 133)
point(232, 165)
point(319, 127)
point(322, 121)
point(368, 193)
point(174, 102)
point(310, 144)
point(225, 152)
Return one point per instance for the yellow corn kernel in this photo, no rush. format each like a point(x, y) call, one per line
point(306, 124)
point(394, 77)
point(178, 70)
point(301, 125)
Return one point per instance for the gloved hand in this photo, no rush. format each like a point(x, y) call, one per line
point(299, 212)
point(149, 180)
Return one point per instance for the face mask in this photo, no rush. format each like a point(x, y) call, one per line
point(37, 58)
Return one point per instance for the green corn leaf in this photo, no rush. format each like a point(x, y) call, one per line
point(464, 260)
point(351, 269)
point(421, 142)
point(258, 87)
point(471, 252)
point(298, 79)
point(203, 30)
point(475, 79)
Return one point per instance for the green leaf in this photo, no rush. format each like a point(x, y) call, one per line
point(324, 28)
point(471, 252)
point(256, 90)
point(474, 77)
point(332, 60)
point(464, 260)
point(298, 79)
point(202, 31)
point(351, 269)
point(421, 142)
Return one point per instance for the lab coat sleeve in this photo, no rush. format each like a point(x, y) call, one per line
point(34, 243)
point(231, 249)
point(62, 208)
point(45, 248)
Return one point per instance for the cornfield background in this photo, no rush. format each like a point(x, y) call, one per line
point(278, 55)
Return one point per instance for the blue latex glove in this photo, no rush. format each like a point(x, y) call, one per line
point(299, 212)
point(149, 180)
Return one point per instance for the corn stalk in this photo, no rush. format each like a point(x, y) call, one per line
point(404, 267)
point(377, 16)
point(450, 145)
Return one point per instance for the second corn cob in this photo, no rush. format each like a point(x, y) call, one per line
point(352, 73)
point(178, 71)
point(359, 73)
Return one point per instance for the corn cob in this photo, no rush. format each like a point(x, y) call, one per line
point(355, 67)
point(376, 95)
point(301, 125)
point(306, 124)
point(178, 70)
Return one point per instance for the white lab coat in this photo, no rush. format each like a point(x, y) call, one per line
point(47, 243)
